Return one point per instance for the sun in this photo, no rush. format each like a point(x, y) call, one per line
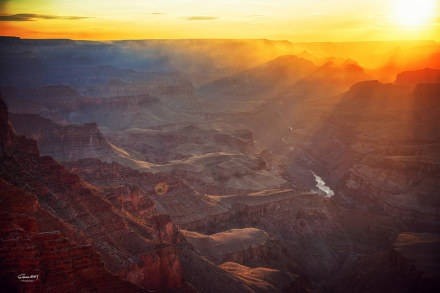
point(414, 12)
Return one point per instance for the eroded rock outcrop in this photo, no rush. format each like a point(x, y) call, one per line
point(34, 259)
point(63, 142)
point(263, 279)
point(142, 253)
point(244, 246)
point(411, 264)
point(427, 75)
point(172, 195)
point(177, 142)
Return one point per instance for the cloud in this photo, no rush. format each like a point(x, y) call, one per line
point(157, 13)
point(201, 17)
point(34, 16)
point(3, 4)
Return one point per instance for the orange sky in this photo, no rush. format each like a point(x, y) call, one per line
point(312, 20)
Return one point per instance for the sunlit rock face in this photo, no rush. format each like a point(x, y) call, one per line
point(239, 245)
point(265, 279)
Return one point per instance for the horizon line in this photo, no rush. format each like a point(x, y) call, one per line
point(221, 39)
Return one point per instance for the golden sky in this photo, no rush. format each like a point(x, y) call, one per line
point(311, 20)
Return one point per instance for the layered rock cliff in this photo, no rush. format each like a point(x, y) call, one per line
point(63, 143)
point(244, 246)
point(410, 264)
point(36, 260)
point(143, 253)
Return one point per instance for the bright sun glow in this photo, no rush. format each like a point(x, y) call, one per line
point(414, 12)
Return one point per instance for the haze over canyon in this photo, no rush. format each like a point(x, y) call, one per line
point(219, 166)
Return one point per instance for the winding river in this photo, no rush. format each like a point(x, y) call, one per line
point(322, 186)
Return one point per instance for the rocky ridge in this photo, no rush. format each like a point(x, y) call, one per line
point(149, 259)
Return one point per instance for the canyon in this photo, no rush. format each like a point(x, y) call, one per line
point(126, 171)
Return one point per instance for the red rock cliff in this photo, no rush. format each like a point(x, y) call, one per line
point(145, 254)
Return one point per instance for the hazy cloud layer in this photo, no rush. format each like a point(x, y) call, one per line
point(201, 17)
point(3, 4)
point(34, 16)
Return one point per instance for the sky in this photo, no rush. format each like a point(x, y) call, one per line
point(302, 21)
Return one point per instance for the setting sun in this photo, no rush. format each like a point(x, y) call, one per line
point(414, 13)
point(220, 146)
point(335, 20)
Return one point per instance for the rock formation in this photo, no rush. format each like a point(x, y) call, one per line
point(35, 259)
point(64, 143)
point(165, 186)
point(427, 75)
point(143, 253)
